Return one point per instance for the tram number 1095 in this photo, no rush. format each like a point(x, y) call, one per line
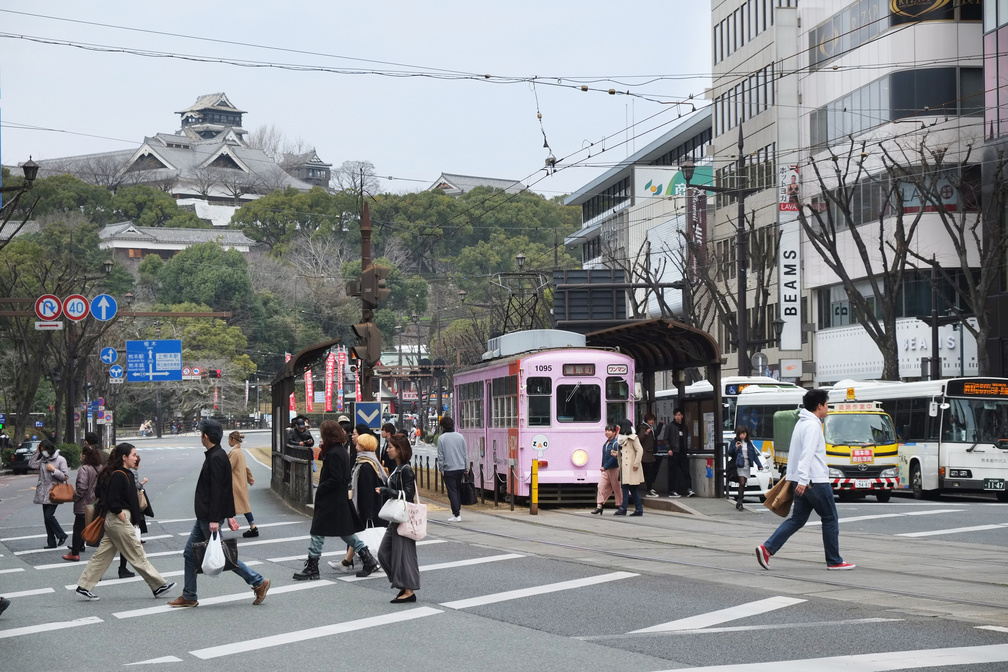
point(541, 368)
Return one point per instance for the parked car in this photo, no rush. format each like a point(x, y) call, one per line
point(23, 453)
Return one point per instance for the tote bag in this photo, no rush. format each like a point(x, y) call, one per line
point(415, 526)
point(394, 510)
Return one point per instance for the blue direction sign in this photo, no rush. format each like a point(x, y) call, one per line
point(104, 307)
point(369, 413)
point(115, 371)
point(109, 355)
point(153, 361)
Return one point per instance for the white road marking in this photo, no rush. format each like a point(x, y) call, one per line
point(995, 628)
point(222, 599)
point(154, 661)
point(329, 554)
point(440, 565)
point(135, 579)
point(48, 627)
point(880, 516)
point(40, 550)
point(11, 571)
point(27, 593)
point(30, 536)
point(954, 530)
point(313, 633)
point(493, 598)
point(175, 520)
point(748, 628)
point(962, 656)
point(724, 615)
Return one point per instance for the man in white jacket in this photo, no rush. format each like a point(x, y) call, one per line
point(812, 490)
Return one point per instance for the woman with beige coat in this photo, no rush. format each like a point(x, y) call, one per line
point(241, 478)
point(631, 472)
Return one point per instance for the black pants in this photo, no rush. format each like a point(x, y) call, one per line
point(679, 465)
point(78, 540)
point(452, 481)
point(650, 474)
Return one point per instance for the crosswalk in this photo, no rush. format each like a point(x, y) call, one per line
point(574, 589)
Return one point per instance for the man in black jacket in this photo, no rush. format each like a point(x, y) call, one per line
point(213, 504)
point(677, 443)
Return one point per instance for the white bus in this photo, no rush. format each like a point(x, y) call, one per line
point(952, 433)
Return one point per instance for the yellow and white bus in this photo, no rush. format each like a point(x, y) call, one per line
point(952, 433)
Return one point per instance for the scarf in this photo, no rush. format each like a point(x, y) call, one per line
point(370, 459)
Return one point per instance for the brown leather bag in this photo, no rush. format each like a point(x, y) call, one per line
point(61, 493)
point(92, 534)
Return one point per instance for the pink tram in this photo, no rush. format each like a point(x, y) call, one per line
point(543, 395)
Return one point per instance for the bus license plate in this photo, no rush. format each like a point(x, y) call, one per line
point(994, 484)
point(862, 484)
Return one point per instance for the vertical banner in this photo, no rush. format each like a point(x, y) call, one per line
point(340, 365)
point(789, 258)
point(293, 404)
point(246, 392)
point(309, 391)
point(214, 397)
point(357, 397)
point(330, 367)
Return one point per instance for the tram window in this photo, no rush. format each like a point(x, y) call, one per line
point(578, 403)
point(539, 395)
point(616, 388)
point(615, 412)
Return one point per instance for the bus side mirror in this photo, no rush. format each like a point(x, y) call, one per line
point(933, 409)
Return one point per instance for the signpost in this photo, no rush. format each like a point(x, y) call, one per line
point(369, 413)
point(109, 355)
point(76, 307)
point(48, 308)
point(104, 307)
point(153, 361)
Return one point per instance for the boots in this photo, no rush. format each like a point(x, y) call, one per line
point(310, 571)
point(370, 564)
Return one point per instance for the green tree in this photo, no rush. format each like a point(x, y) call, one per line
point(207, 274)
point(147, 206)
point(276, 217)
point(66, 194)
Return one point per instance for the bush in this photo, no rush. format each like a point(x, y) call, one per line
point(5, 457)
point(72, 453)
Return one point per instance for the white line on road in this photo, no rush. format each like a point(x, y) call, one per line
point(857, 519)
point(329, 554)
point(313, 633)
point(954, 530)
point(48, 627)
point(748, 628)
point(995, 628)
point(38, 550)
point(135, 579)
point(30, 536)
point(440, 565)
point(27, 593)
point(724, 615)
point(536, 590)
point(222, 599)
point(156, 661)
point(962, 656)
point(10, 571)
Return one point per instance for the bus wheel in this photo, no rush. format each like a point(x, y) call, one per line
point(883, 496)
point(1002, 496)
point(916, 482)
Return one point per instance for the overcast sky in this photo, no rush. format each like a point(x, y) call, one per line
point(410, 128)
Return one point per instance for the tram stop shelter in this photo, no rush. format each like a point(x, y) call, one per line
point(666, 345)
point(292, 465)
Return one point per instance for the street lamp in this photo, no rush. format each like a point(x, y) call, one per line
point(399, 379)
point(741, 251)
point(30, 169)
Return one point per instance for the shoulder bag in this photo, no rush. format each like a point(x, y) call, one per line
point(779, 498)
point(415, 525)
point(93, 531)
point(394, 510)
point(60, 493)
point(467, 493)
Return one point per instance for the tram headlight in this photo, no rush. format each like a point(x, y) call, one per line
point(579, 457)
point(892, 472)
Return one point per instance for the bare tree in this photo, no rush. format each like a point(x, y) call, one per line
point(318, 254)
point(642, 269)
point(270, 139)
point(353, 176)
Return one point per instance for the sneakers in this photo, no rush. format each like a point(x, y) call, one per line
point(179, 602)
point(763, 556)
point(4, 603)
point(70, 557)
point(690, 493)
point(260, 591)
point(651, 493)
point(455, 519)
point(164, 589)
point(674, 495)
point(83, 592)
point(251, 532)
point(842, 566)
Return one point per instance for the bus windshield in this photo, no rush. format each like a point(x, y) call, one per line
point(858, 429)
point(975, 421)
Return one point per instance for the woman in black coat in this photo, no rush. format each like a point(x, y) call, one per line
point(333, 517)
point(397, 553)
point(367, 474)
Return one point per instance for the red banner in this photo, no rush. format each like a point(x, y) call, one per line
point(309, 391)
point(340, 365)
point(330, 367)
point(293, 404)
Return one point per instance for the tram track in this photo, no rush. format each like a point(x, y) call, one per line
point(717, 569)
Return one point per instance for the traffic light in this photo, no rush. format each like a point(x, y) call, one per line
point(213, 373)
point(373, 285)
point(369, 346)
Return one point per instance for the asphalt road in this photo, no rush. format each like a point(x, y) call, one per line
point(560, 591)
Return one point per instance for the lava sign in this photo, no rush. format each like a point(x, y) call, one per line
point(153, 361)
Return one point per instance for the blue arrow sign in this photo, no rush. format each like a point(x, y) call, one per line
point(115, 371)
point(109, 355)
point(153, 361)
point(369, 413)
point(104, 307)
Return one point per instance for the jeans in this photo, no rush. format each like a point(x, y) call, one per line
point(52, 527)
point(318, 541)
point(631, 491)
point(201, 532)
point(818, 497)
point(452, 481)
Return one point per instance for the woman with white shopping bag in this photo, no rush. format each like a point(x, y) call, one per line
point(397, 554)
point(334, 516)
point(118, 491)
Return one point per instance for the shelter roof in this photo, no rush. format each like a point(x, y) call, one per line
point(660, 344)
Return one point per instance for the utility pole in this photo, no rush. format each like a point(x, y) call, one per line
point(372, 289)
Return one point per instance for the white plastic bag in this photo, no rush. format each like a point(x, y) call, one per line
point(372, 537)
point(213, 561)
